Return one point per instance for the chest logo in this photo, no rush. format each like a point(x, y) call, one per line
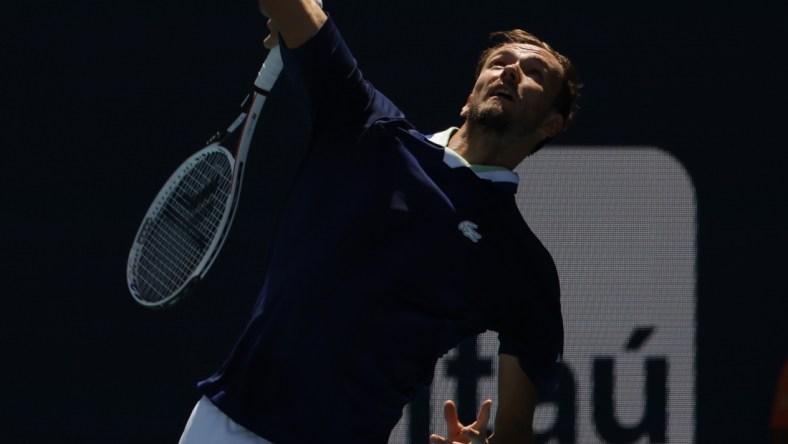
point(468, 229)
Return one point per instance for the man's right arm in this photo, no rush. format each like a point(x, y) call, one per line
point(296, 20)
point(323, 71)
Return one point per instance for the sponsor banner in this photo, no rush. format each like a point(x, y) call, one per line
point(621, 225)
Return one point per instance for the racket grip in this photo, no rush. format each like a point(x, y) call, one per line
point(272, 67)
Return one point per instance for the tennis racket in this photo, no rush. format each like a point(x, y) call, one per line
point(187, 223)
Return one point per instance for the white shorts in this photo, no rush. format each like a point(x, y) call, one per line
point(209, 425)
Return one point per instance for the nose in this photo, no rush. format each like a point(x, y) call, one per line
point(510, 74)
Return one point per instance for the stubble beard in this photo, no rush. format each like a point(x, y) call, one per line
point(493, 119)
point(489, 116)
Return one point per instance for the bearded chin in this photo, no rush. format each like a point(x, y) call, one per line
point(490, 117)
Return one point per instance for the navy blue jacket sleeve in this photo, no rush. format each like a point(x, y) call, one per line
point(326, 77)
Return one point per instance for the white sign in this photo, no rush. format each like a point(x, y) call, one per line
point(620, 224)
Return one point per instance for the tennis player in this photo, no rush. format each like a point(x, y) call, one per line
point(395, 246)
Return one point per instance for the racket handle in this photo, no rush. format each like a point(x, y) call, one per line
point(272, 67)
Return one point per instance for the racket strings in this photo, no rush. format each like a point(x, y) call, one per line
point(175, 230)
point(182, 230)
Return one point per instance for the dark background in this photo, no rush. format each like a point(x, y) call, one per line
point(102, 100)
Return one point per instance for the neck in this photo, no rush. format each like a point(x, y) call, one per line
point(483, 146)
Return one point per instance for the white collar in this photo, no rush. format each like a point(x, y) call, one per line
point(451, 158)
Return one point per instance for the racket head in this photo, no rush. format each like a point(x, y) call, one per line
point(176, 242)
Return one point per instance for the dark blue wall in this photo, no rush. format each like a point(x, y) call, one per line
point(100, 101)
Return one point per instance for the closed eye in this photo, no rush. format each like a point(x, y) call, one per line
point(501, 60)
point(535, 74)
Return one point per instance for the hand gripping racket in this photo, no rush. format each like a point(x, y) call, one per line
point(188, 221)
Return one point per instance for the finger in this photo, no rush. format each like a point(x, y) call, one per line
point(473, 435)
point(437, 439)
point(272, 39)
point(484, 416)
point(450, 415)
point(450, 412)
point(272, 27)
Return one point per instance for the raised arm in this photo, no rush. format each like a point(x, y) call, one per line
point(296, 20)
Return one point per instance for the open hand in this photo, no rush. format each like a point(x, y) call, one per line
point(474, 433)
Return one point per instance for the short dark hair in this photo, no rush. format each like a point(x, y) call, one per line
point(566, 101)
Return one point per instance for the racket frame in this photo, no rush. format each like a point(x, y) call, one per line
point(263, 84)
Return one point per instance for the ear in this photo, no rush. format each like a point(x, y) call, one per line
point(552, 124)
point(465, 108)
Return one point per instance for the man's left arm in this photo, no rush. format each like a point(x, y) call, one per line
point(517, 397)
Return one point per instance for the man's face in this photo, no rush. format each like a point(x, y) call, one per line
point(515, 90)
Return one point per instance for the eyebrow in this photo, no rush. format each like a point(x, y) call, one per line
point(533, 56)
